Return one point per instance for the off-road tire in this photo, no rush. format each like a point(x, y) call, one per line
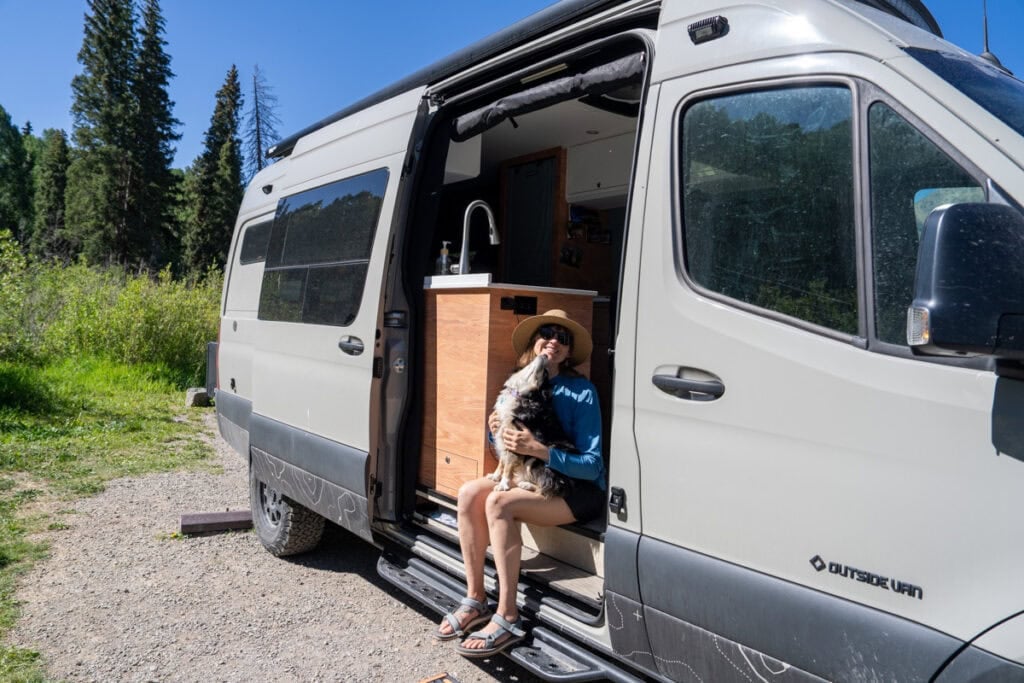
point(283, 526)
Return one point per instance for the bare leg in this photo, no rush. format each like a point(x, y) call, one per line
point(506, 511)
point(473, 539)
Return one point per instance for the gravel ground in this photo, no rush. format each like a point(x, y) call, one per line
point(122, 599)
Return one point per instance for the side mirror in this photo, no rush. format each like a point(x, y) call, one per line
point(969, 285)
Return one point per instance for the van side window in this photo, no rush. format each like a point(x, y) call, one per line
point(910, 176)
point(768, 201)
point(254, 243)
point(319, 250)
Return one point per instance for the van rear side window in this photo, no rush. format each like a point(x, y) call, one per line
point(254, 243)
point(319, 249)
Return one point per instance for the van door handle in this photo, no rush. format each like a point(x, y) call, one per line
point(353, 346)
point(689, 389)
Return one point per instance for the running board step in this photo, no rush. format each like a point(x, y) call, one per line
point(545, 654)
point(552, 658)
point(420, 581)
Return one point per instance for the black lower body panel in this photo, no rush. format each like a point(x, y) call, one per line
point(233, 413)
point(723, 616)
point(327, 477)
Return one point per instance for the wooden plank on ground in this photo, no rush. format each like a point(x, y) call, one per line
point(205, 522)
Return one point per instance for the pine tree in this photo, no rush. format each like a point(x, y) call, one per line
point(156, 134)
point(15, 184)
point(260, 124)
point(216, 189)
point(103, 178)
point(33, 152)
point(48, 238)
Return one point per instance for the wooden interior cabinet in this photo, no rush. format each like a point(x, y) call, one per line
point(468, 357)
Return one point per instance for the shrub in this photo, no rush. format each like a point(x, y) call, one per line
point(13, 268)
point(49, 312)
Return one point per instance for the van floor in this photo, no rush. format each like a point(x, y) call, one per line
point(571, 581)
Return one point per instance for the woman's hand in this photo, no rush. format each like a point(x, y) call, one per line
point(522, 441)
point(493, 422)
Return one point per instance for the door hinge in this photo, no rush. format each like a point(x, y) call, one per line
point(399, 319)
point(617, 500)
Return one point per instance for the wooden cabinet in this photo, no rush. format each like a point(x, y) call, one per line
point(599, 169)
point(468, 357)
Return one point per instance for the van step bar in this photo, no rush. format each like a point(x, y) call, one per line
point(545, 654)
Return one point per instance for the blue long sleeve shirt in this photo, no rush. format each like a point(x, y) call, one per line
point(575, 403)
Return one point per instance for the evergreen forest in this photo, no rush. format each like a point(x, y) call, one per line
point(106, 250)
point(105, 192)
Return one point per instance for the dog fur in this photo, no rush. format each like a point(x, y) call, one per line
point(525, 401)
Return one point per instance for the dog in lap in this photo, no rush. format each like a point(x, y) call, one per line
point(525, 401)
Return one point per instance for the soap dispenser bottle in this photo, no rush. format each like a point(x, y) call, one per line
point(444, 262)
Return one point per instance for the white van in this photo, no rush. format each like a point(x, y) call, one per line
point(742, 201)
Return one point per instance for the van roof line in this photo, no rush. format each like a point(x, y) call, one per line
point(548, 19)
point(912, 11)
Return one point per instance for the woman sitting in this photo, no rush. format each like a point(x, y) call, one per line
point(487, 516)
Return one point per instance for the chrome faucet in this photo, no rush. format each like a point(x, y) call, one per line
point(492, 231)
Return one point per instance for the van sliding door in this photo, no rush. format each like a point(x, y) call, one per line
point(319, 309)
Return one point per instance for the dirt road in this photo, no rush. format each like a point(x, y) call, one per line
point(122, 598)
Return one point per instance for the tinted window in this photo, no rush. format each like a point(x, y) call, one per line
point(330, 292)
point(768, 219)
point(254, 243)
point(282, 294)
point(328, 224)
point(319, 249)
point(910, 176)
point(1002, 95)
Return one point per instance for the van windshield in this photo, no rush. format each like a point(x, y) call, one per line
point(998, 92)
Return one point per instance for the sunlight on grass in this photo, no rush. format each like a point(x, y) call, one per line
point(65, 430)
point(93, 420)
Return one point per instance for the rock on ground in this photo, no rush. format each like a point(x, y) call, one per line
point(121, 598)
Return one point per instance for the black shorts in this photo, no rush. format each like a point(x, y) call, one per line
point(585, 499)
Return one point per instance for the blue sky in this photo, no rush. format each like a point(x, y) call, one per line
point(319, 56)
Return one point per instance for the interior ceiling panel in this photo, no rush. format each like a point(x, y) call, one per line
point(563, 125)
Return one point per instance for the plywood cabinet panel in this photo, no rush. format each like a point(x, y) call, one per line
point(452, 470)
point(468, 357)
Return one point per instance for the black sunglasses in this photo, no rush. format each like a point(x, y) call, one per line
point(560, 334)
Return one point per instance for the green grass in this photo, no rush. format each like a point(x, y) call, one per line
point(65, 430)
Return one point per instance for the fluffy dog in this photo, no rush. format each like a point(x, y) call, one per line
point(525, 401)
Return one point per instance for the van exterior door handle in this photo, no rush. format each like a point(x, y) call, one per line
point(689, 389)
point(353, 346)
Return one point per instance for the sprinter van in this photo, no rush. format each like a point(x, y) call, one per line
point(794, 230)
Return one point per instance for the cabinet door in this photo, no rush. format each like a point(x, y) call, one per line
point(599, 168)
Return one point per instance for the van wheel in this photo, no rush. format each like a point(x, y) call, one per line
point(284, 527)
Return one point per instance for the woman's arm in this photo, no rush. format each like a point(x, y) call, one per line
point(584, 429)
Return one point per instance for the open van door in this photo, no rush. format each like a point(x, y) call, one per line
point(318, 318)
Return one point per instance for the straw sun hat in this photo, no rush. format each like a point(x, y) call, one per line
point(582, 344)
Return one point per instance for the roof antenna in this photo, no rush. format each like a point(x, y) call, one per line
point(986, 55)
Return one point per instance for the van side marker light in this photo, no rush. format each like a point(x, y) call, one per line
point(708, 29)
point(267, 189)
point(919, 330)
